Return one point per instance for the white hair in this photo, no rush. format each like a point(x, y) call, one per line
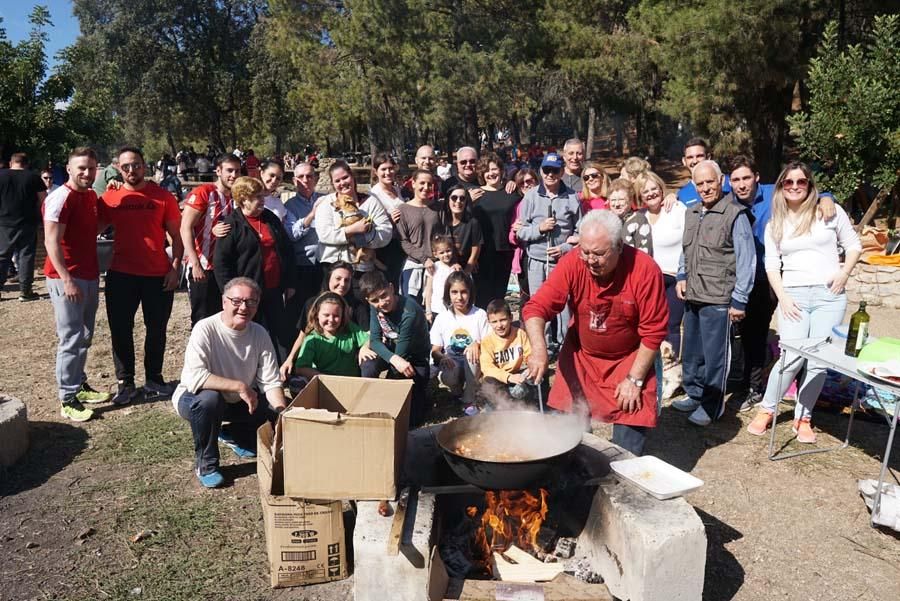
point(708, 163)
point(609, 221)
point(243, 281)
point(573, 142)
point(461, 148)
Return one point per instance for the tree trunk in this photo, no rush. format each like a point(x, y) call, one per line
point(171, 141)
point(873, 208)
point(619, 125)
point(589, 144)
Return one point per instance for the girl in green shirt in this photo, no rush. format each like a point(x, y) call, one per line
point(334, 345)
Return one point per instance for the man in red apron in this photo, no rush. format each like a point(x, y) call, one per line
point(619, 318)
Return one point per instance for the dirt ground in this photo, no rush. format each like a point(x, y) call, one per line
point(795, 529)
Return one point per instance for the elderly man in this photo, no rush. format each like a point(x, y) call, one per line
point(466, 160)
point(228, 365)
point(425, 160)
point(715, 278)
point(300, 225)
point(619, 303)
point(548, 217)
point(573, 155)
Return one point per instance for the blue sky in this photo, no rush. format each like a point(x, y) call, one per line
point(65, 25)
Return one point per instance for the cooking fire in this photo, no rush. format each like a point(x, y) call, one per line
point(510, 517)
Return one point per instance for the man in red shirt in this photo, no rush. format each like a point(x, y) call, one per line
point(620, 317)
point(73, 274)
point(201, 224)
point(142, 273)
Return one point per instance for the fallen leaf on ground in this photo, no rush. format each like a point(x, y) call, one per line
point(142, 535)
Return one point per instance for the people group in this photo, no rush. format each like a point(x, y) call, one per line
point(410, 281)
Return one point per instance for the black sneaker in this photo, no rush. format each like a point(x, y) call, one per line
point(125, 394)
point(28, 296)
point(752, 399)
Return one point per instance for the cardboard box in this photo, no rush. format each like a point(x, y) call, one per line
point(305, 540)
point(344, 438)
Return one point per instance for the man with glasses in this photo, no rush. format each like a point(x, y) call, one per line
point(141, 273)
point(549, 215)
point(21, 194)
point(230, 374)
point(715, 277)
point(621, 318)
point(466, 161)
point(201, 223)
point(299, 222)
point(573, 155)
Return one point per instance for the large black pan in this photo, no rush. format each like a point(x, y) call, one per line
point(542, 444)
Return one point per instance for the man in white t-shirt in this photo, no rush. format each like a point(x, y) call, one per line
point(229, 363)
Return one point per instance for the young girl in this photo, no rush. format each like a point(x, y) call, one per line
point(456, 339)
point(443, 250)
point(334, 345)
point(419, 222)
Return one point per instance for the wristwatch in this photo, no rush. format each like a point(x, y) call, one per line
point(637, 382)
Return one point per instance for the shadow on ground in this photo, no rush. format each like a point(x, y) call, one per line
point(677, 441)
point(53, 446)
point(724, 574)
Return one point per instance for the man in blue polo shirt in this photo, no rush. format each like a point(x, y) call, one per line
point(762, 302)
point(695, 150)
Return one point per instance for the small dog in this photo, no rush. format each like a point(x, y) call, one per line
point(672, 375)
point(348, 208)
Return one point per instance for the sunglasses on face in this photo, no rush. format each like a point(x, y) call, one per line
point(458, 198)
point(529, 182)
point(467, 161)
point(591, 176)
point(800, 182)
point(550, 170)
point(131, 166)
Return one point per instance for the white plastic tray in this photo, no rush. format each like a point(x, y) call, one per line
point(656, 477)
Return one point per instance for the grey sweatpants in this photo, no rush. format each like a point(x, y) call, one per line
point(75, 330)
point(537, 274)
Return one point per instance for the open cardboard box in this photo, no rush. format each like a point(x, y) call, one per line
point(305, 540)
point(345, 438)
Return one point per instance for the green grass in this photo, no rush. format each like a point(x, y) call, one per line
point(146, 437)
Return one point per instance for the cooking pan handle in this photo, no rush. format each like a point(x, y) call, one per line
point(540, 395)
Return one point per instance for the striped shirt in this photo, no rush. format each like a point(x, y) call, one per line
point(213, 206)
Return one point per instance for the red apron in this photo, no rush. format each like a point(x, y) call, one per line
point(597, 354)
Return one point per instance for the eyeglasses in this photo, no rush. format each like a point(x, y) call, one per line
point(550, 170)
point(529, 182)
point(251, 303)
point(592, 256)
point(45, 177)
point(591, 176)
point(800, 182)
point(131, 166)
point(458, 198)
point(467, 161)
point(651, 193)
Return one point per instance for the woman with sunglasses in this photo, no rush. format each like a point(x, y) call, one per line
point(526, 179)
point(596, 188)
point(804, 270)
point(494, 213)
point(458, 221)
point(389, 194)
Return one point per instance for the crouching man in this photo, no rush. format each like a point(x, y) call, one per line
point(228, 365)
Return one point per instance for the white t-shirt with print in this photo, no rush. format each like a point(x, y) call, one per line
point(455, 332)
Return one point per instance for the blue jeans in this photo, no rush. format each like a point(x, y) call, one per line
point(206, 411)
point(820, 311)
point(630, 438)
point(706, 355)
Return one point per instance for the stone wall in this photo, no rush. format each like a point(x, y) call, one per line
point(878, 285)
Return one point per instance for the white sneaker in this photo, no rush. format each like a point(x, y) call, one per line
point(699, 417)
point(687, 404)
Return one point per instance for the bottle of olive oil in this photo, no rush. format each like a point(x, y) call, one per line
point(858, 331)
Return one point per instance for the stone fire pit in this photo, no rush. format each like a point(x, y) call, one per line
point(645, 549)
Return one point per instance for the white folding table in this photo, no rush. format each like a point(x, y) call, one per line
point(825, 353)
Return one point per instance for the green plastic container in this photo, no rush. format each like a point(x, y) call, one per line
point(879, 351)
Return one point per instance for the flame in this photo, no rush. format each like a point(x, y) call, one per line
point(511, 517)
